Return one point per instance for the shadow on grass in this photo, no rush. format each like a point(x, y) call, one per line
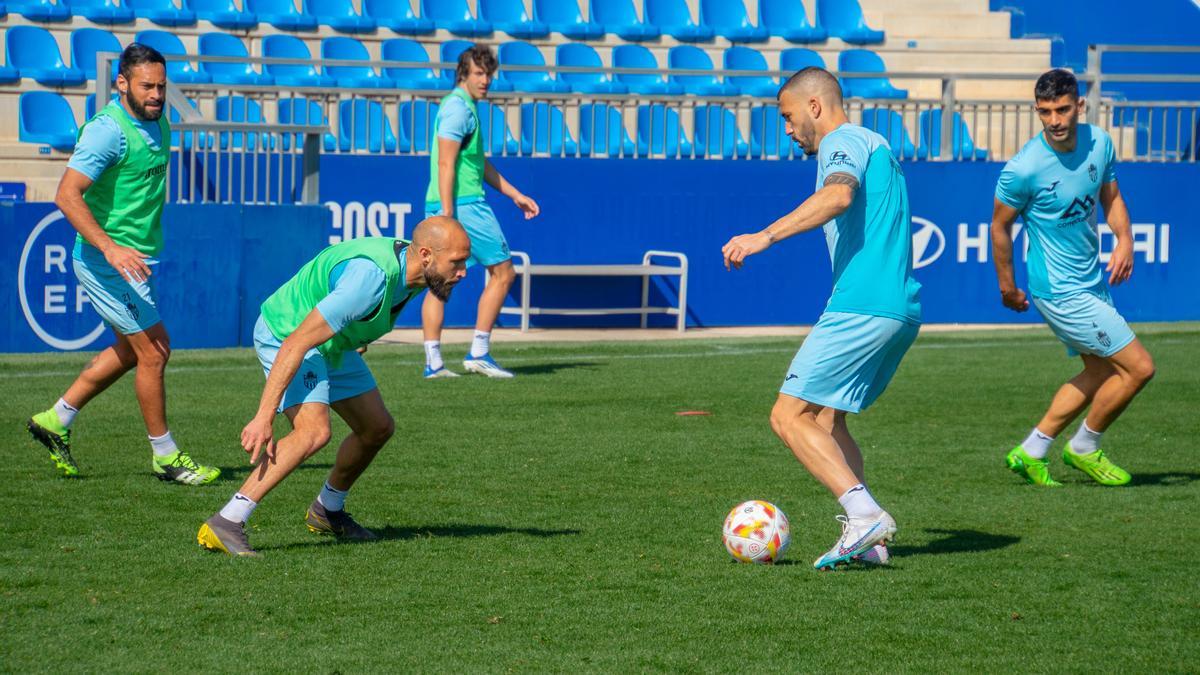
point(550, 368)
point(228, 472)
point(957, 541)
point(392, 533)
point(1168, 478)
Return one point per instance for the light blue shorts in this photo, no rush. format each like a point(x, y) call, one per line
point(314, 381)
point(488, 245)
point(128, 306)
point(1087, 323)
point(847, 361)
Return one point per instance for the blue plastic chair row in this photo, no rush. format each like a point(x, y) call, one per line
point(890, 124)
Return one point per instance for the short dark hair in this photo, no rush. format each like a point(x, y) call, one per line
point(136, 54)
point(1054, 84)
point(812, 79)
point(480, 55)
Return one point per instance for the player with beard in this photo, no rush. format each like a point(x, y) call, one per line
point(306, 337)
point(113, 193)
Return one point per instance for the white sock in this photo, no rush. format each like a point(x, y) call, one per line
point(332, 498)
point(858, 503)
point(1085, 441)
point(239, 508)
point(433, 354)
point(481, 344)
point(164, 446)
point(66, 413)
point(1037, 444)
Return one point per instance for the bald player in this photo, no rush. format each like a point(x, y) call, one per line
point(872, 317)
point(306, 338)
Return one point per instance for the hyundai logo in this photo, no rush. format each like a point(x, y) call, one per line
point(928, 242)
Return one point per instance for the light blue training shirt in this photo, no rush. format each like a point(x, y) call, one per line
point(1058, 195)
point(102, 144)
point(454, 123)
point(870, 244)
point(356, 289)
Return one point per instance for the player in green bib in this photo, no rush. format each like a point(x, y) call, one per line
point(307, 339)
point(113, 193)
point(458, 170)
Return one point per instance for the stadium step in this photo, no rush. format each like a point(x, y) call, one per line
point(905, 24)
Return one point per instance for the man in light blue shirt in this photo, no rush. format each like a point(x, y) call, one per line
point(1056, 182)
point(873, 315)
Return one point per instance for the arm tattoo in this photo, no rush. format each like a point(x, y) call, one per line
point(842, 179)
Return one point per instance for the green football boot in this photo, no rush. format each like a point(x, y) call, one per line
point(49, 431)
point(1034, 471)
point(1097, 466)
point(181, 468)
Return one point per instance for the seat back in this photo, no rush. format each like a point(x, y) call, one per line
point(416, 123)
point(223, 44)
point(497, 138)
point(331, 9)
point(688, 57)
point(558, 11)
point(659, 131)
point(363, 126)
point(798, 58)
point(840, 15)
point(32, 47)
point(635, 56)
point(450, 51)
point(389, 9)
point(724, 14)
point(85, 43)
point(614, 12)
point(581, 55)
point(208, 6)
point(544, 130)
point(348, 49)
point(782, 14)
point(667, 13)
point(275, 7)
point(503, 11)
point(446, 10)
point(287, 47)
point(768, 132)
point(746, 58)
point(929, 134)
point(521, 53)
point(167, 44)
point(602, 130)
point(403, 49)
point(716, 131)
point(46, 112)
point(890, 125)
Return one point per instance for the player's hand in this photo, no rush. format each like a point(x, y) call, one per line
point(362, 349)
point(258, 436)
point(743, 245)
point(130, 263)
point(1014, 299)
point(527, 205)
point(1120, 264)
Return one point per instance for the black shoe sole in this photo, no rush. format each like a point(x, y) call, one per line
point(50, 443)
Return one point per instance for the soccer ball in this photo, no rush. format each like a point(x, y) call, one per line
point(756, 532)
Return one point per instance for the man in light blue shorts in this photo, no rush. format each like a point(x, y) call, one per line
point(873, 315)
point(113, 193)
point(307, 338)
point(1055, 183)
point(458, 171)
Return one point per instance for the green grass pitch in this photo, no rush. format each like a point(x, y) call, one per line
point(568, 520)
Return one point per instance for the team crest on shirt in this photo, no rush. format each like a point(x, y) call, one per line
point(130, 308)
point(1103, 338)
point(1092, 172)
point(310, 380)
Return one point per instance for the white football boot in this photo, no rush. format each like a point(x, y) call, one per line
point(485, 365)
point(859, 535)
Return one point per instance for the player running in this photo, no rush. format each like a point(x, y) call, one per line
point(458, 170)
point(1055, 183)
point(306, 338)
point(873, 315)
point(113, 193)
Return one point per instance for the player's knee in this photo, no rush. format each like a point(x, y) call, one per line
point(503, 275)
point(378, 433)
point(1143, 371)
point(315, 439)
point(782, 415)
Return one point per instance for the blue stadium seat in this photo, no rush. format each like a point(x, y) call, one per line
point(728, 18)
point(456, 17)
point(223, 14)
point(620, 18)
point(794, 59)
point(100, 11)
point(786, 19)
point(416, 125)
point(866, 61)
point(363, 126)
point(717, 133)
point(187, 139)
point(564, 17)
point(224, 44)
point(282, 14)
point(450, 50)
point(768, 134)
point(687, 57)
point(340, 16)
point(85, 43)
point(497, 137)
point(890, 125)
point(746, 58)
point(34, 53)
point(844, 19)
point(9, 75)
point(302, 111)
point(544, 131)
point(168, 45)
point(241, 109)
point(399, 16)
point(40, 10)
point(291, 47)
point(162, 12)
point(673, 18)
point(403, 49)
point(510, 16)
point(519, 53)
point(581, 55)
point(602, 131)
point(46, 118)
point(353, 77)
point(929, 135)
point(89, 105)
point(637, 56)
point(659, 132)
